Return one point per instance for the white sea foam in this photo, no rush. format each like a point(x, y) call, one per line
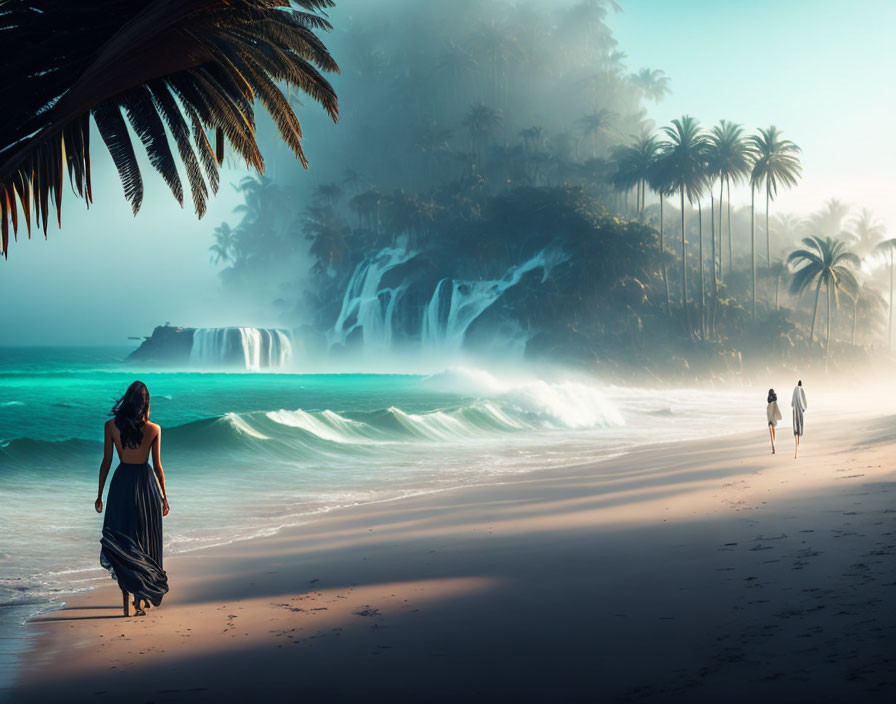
point(570, 404)
point(237, 422)
point(327, 425)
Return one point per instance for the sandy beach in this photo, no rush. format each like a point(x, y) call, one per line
point(712, 571)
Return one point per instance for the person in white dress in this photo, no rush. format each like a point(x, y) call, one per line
point(798, 402)
point(773, 414)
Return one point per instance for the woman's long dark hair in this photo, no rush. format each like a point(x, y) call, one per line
point(130, 414)
point(772, 396)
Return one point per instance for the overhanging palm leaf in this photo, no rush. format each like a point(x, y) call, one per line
point(191, 66)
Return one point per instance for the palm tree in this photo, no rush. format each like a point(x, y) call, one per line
point(625, 175)
point(887, 250)
point(653, 83)
point(367, 207)
point(595, 124)
point(458, 65)
point(730, 156)
point(494, 48)
point(481, 122)
point(261, 198)
point(660, 181)
point(828, 222)
point(225, 241)
point(825, 262)
point(870, 305)
point(867, 231)
point(702, 278)
point(776, 163)
point(329, 236)
point(684, 156)
point(182, 68)
point(786, 227)
point(330, 193)
point(633, 163)
point(712, 172)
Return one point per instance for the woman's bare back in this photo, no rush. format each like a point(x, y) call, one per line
point(135, 455)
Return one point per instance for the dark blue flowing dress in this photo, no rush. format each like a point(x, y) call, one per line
point(132, 532)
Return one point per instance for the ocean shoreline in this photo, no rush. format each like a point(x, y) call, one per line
point(23, 641)
point(817, 453)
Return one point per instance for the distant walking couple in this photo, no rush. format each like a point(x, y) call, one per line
point(799, 405)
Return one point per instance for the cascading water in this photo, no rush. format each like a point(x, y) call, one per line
point(368, 307)
point(252, 349)
point(456, 304)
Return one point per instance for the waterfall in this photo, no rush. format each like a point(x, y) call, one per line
point(456, 304)
point(252, 349)
point(367, 306)
point(370, 308)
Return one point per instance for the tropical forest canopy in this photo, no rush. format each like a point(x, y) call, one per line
point(483, 132)
point(493, 184)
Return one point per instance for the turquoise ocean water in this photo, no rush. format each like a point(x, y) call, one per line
point(246, 454)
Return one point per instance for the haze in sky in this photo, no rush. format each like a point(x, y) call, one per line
point(817, 70)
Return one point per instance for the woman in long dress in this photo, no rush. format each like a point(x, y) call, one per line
point(773, 413)
point(132, 527)
point(798, 402)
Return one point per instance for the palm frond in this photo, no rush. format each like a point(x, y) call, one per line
point(799, 255)
point(803, 279)
point(179, 69)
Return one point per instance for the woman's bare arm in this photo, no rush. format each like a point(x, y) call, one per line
point(104, 465)
point(157, 466)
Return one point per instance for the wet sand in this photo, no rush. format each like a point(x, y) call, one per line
point(703, 572)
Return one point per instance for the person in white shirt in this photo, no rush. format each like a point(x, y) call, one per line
point(798, 402)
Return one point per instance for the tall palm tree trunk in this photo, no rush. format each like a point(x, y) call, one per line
point(684, 258)
point(715, 280)
point(721, 200)
point(752, 241)
point(815, 312)
point(730, 239)
point(768, 238)
point(827, 337)
point(890, 329)
point(702, 281)
point(663, 253)
point(777, 288)
point(855, 315)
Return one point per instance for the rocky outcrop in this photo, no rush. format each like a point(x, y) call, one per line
point(167, 345)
